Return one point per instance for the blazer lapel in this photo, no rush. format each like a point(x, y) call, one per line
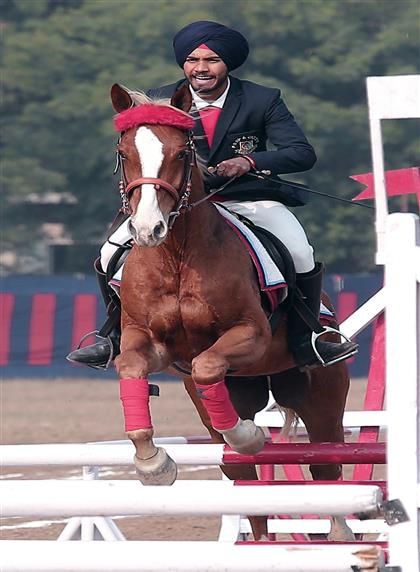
point(230, 109)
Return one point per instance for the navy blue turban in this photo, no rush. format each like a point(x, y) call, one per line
point(229, 44)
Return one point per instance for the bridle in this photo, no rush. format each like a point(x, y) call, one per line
point(181, 196)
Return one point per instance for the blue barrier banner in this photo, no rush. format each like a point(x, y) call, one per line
point(42, 319)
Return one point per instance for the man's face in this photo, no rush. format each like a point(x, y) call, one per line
point(206, 72)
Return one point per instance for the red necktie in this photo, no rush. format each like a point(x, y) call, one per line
point(209, 116)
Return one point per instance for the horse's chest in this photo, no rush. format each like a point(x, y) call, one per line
point(177, 317)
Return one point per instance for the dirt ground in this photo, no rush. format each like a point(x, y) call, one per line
point(77, 410)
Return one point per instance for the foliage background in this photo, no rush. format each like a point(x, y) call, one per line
point(60, 58)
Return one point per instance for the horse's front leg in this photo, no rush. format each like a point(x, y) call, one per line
point(238, 348)
point(137, 358)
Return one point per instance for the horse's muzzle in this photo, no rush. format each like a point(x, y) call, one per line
point(149, 237)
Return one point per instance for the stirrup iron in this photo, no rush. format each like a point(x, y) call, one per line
point(327, 330)
point(111, 348)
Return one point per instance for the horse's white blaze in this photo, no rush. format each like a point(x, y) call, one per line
point(148, 214)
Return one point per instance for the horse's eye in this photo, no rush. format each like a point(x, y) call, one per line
point(182, 154)
point(121, 154)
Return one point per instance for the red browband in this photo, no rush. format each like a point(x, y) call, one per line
point(150, 114)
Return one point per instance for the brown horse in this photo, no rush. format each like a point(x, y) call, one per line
point(190, 297)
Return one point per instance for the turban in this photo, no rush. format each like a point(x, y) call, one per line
point(229, 44)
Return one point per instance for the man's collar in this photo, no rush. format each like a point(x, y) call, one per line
point(219, 102)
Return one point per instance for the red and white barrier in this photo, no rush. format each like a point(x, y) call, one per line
point(213, 454)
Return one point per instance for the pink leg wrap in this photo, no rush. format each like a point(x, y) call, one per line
point(134, 394)
point(217, 402)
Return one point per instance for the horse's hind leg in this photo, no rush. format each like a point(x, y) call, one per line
point(319, 399)
point(249, 395)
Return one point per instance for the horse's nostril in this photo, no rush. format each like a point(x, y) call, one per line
point(159, 230)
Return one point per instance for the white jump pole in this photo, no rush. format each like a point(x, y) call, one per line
point(86, 454)
point(176, 556)
point(398, 97)
point(402, 274)
point(110, 498)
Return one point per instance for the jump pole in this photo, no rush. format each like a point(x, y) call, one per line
point(109, 498)
point(198, 556)
point(211, 454)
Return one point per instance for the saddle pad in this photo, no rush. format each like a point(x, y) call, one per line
point(269, 275)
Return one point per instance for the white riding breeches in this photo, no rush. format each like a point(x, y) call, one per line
point(277, 219)
point(271, 215)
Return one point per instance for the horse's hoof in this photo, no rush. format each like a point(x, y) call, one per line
point(158, 470)
point(245, 438)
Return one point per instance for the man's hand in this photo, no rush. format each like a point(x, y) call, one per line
point(233, 167)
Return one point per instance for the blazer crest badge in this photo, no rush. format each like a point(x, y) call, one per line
point(245, 144)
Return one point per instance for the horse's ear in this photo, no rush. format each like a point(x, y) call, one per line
point(182, 98)
point(121, 98)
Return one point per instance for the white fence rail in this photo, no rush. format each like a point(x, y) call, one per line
point(44, 556)
point(110, 498)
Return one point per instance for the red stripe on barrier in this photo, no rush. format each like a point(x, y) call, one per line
point(375, 393)
point(41, 330)
point(7, 304)
point(295, 546)
point(310, 453)
point(84, 317)
point(381, 484)
point(346, 306)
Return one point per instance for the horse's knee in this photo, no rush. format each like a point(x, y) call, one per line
point(208, 368)
point(131, 364)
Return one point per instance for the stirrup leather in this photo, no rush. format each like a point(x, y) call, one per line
point(327, 330)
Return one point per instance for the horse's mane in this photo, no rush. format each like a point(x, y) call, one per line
point(140, 98)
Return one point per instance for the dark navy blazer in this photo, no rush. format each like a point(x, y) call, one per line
point(252, 116)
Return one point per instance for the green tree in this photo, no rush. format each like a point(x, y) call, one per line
point(61, 57)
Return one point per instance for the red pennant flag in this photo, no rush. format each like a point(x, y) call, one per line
point(398, 182)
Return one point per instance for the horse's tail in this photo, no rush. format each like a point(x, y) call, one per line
point(290, 423)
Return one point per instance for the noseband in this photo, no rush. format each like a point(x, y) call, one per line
point(181, 197)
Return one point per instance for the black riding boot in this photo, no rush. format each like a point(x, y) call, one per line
point(300, 334)
point(98, 355)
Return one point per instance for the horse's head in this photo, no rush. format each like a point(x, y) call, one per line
point(157, 156)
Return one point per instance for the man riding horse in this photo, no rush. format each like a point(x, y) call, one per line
point(234, 121)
